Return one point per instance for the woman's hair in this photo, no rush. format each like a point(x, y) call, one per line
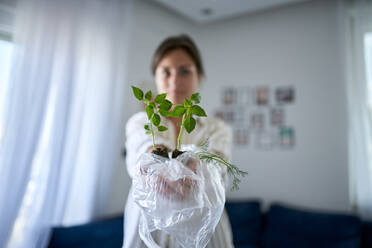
point(183, 42)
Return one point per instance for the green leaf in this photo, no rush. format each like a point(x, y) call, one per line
point(162, 128)
point(156, 119)
point(165, 105)
point(189, 124)
point(198, 111)
point(160, 98)
point(149, 111)
point(165, 113)
point(187, 103)
point(147, 127)
point(148, 95)
point(178, 124)
point(195, 98)
point(178, 111)
point(138, 93)
point(152, 105)
point(193, 124)
point(148, 132)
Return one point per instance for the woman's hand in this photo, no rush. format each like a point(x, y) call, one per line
point(192, 163)
point(174, 190)
point(181, 188)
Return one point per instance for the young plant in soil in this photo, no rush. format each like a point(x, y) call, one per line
point(154, 108)
point(162, 106)
point(186, 111)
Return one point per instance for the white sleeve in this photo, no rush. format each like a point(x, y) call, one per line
point(220, 142)
point(220, 139)
point(137, 141)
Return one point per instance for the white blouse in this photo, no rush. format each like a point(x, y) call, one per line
point(219, 136)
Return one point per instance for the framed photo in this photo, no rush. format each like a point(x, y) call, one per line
point(262, 96)
point(225, 115)
point(241, 136)
point(229, 96)
point(265, 140)
point(219, 114)
point(277, 117)
point(229, 116)
point(257, 121)
point(239, 114)
point(285, 95)
point(287, 137)
point(245, 96)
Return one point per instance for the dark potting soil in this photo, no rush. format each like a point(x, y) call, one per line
point(176, 153)
point(164, 152)
point(161, 152)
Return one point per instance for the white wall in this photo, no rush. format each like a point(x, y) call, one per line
point(294, 45)
point(297, 45)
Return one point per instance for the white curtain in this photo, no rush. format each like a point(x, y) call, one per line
point(63, 115)
point(359, 91)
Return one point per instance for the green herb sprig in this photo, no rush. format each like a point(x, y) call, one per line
point(232, 170)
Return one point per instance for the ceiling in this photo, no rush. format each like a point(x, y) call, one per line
point(206, 11)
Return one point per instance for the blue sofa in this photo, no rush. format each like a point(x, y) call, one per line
point(285, 226)
point(281, 226)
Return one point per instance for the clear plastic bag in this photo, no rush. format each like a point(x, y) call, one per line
point(183, 197)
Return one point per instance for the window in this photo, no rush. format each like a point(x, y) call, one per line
point(6, 51)
point(368, 74)
point(368, 65)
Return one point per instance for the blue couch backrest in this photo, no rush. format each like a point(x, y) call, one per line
point(280, 227)
point(287, 227)
point(106, 233)
point(246, 222)
point(283, 226)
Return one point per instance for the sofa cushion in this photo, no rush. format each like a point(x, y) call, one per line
point(246, 222)
point(287, 227)
point(107, 233)
point(367, 234)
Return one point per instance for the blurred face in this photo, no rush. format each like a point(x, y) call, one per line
point(176, 75)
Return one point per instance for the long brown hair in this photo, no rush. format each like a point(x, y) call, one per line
point(182, 41)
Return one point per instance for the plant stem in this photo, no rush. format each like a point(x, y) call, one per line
point(153, 136)
point(180, 134)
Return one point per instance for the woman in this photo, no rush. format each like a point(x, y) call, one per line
point(178, 71)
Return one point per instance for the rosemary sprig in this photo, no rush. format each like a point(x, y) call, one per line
point(204, 145)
